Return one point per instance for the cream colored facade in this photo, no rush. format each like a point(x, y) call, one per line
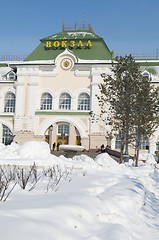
point(30, 121)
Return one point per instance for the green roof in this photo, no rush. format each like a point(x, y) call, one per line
point(3, 65)
point(97, 50)
point(71, 35)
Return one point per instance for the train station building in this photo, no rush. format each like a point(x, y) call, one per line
point(49, 95)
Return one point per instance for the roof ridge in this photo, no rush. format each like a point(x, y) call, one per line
point(72, 34)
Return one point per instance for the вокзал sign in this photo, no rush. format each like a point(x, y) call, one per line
point(65, 44)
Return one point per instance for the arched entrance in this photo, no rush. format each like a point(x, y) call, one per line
point(63, 133)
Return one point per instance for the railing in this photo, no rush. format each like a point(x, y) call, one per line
point(136, 56)
point(154, 55)
point(12, 57)
point(77, 27)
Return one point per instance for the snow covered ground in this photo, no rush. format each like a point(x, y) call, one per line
point(94, 199)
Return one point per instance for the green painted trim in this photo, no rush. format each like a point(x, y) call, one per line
point(147, 64)
point(3, 65)
point(61, 113)
point(6, 116)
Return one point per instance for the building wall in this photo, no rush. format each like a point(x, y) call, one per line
point(33, 79)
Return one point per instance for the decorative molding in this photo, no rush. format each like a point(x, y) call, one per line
point(61, 113)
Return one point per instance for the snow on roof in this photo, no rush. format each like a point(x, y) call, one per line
point(53, 36)
point(76, 34)
point(4, 70)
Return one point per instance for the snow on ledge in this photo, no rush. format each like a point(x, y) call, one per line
point(94, 61)
point(71, 148)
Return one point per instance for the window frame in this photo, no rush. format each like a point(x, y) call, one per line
point(63, 129)
point(7, 135)
point(47, 102)
point(83, 102)
point(9, 103)
point(65, 102)
point(146, 74)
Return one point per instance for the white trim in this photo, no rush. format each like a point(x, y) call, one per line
point(149, 61)
point(58, 94)
point(145, 71)
point(8, 124)
point(3, 93)
point(81, 127)
point(64, 90)
point(95, 61)
point(81, 90)
point(39, 95)
point(66, 52)
point(77, 94)
point(36, 62)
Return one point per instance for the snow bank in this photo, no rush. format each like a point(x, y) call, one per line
point(106, 161)
point(39, 153)
point(148, 158)
point(34, 149)
point(107, 201)
point(2, 146)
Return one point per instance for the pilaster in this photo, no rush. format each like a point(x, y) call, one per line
point(32, 86)
point(72, 135)
point(94, 101)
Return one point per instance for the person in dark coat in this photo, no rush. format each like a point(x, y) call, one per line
point(58, 146)
point(53, 147)
point(102, 148)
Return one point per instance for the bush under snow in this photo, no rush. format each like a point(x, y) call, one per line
point(98, 200)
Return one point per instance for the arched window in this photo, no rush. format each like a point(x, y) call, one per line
point(83, 102)
point(9, 103)
point(65, 101)
point(146, 75)
point(46, 101)
point(63, 129)
point(7, 137)
point(11, 76)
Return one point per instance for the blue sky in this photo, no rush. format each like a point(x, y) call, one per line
point(127, 26)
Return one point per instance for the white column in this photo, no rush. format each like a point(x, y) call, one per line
point(73, 104)
point(153, 140)
point(54, 132)
point(72, 135)
point(19, 106)
point(56, 104)
point(94, 101)
point(1, 133)
point(20, 95)
point(32, 95)
point(32, 86)
point(152, 147)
